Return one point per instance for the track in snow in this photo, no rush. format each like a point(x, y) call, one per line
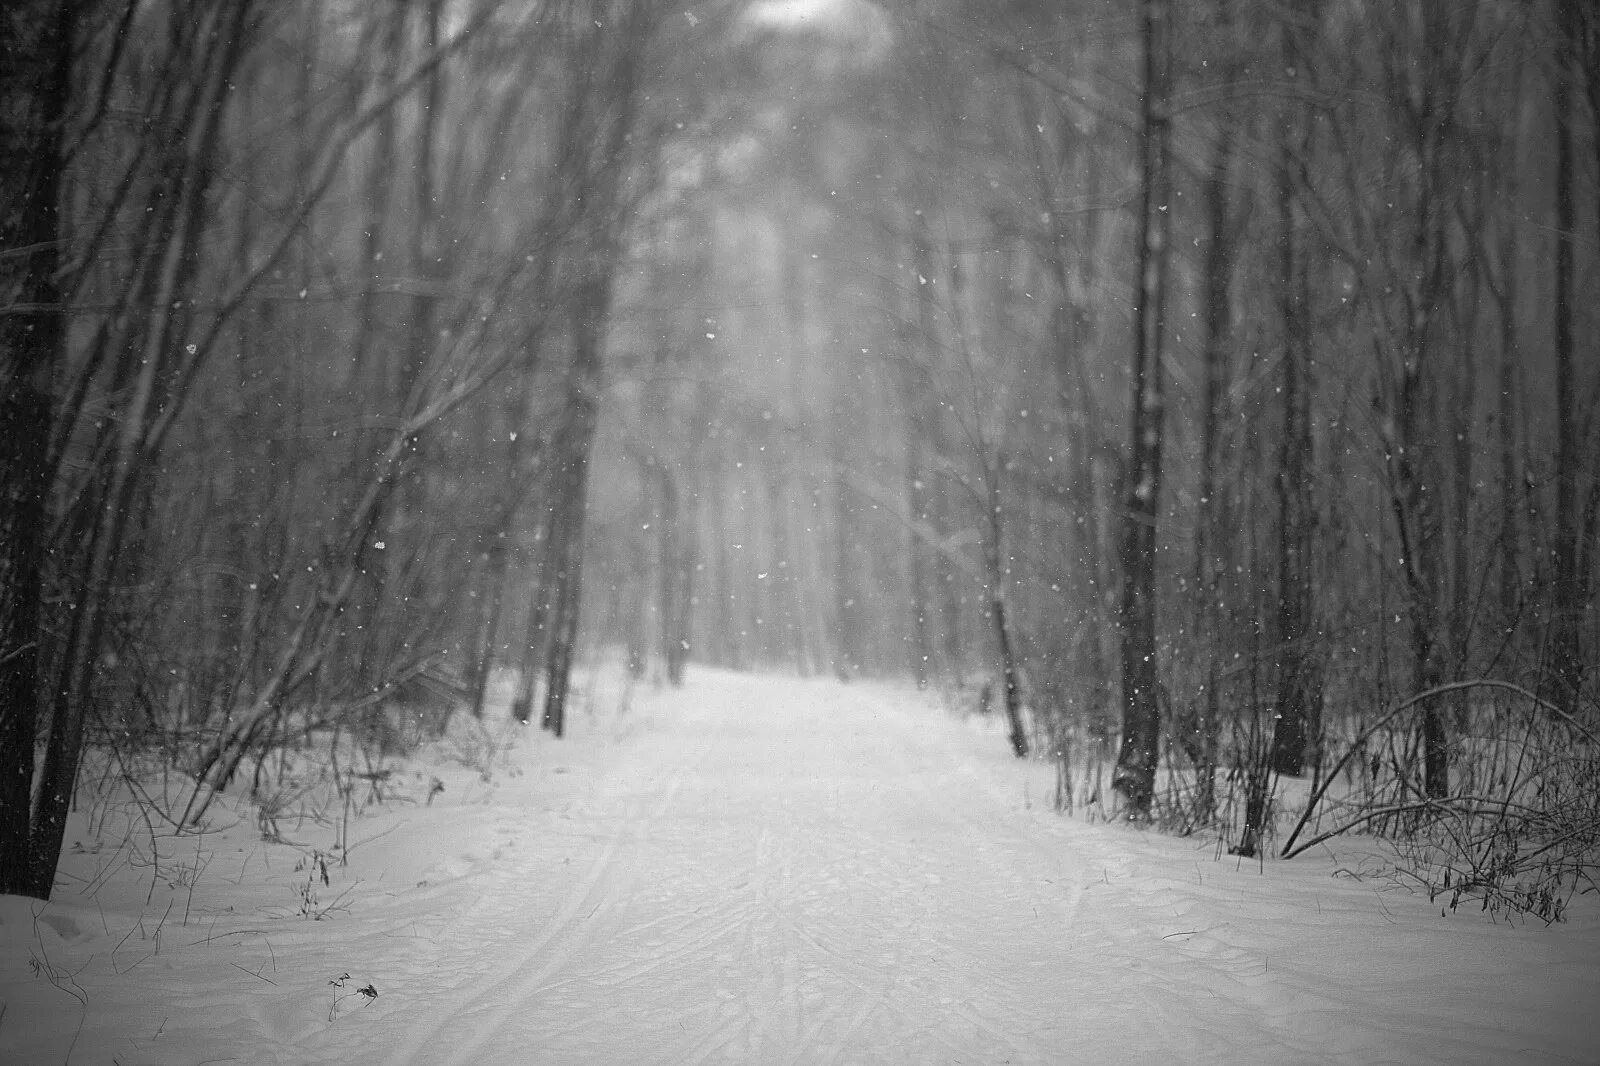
point(766, 870)
point(794, 873)
point(772, 871)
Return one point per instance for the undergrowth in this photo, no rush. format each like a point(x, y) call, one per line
point(1516, 836)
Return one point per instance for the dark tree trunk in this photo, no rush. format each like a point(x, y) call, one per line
point(1213, 539)
point(1511, 489)
point(1423, 100)
point(1566, 651)
point(491, 605)
point(563, 641)
point(1417, 519)
point(1011, 679)
point(37, 43)
point(572, 456)
point(535, 638)
point(1464, 583)
point(159, 369)
point(1141, 713)
point(1297, 708)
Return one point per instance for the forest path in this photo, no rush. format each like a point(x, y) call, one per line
point(792, 872)
point(769, 870)
point(757, 870)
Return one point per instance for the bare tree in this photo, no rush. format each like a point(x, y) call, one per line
point(1571, 550)
point(1141, 714)
point(1297, 710)
point(609, 66)
point(38, 39)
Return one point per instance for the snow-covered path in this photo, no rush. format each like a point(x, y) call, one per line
point(815, 873)
point(774, 871)
point(793, 874)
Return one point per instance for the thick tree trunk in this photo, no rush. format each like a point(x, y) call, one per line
point(159, 368)
point(1422, 100)
point(1297, 709)
point(1213, 538)
point(1141, 716)
point(1511, 489)
point(34, 83)
point(1464, 583)
point(1566, 652)
point(1417, 519)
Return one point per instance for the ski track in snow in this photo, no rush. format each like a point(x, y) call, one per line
point(780, 876)
point(769, 870)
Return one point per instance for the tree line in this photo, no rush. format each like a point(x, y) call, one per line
point(304, 309)
point(1207, 387)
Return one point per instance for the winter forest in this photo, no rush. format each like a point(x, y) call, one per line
point(1203, 393)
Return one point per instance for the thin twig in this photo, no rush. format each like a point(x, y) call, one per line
point(252, 973)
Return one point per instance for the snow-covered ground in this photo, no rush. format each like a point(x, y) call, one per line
point(758, 870)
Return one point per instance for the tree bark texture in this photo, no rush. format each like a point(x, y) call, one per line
point(1570, 595)
point(1141, 713)
point(1297, 706)
point(1199, 731)
point(37, 40)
